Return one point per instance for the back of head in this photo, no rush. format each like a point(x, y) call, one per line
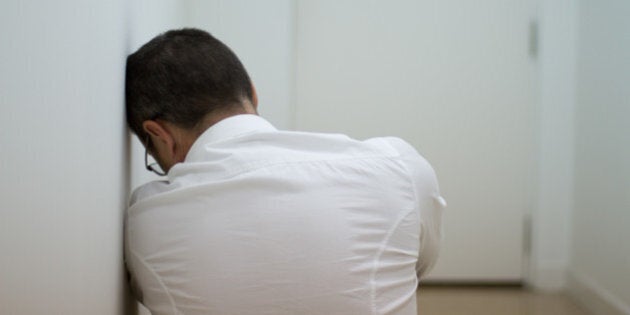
point(181, 76)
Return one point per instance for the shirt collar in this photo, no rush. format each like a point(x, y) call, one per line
point(228, 128)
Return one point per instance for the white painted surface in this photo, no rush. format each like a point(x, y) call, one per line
point(594, 297)
point(149, 18)
point(453, 78)
point(601, 221)
point(551, 216)
point(63, 181)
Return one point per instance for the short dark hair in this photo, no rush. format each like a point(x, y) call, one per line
point(181, 76)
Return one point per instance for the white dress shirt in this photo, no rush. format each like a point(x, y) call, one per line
point(261, 221)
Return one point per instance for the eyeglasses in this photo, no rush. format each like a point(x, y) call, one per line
point(153, 167)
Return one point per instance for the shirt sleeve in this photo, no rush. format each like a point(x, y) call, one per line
point(429, 202)
point(145, 284)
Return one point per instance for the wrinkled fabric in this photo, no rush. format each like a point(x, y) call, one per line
point(261, 221)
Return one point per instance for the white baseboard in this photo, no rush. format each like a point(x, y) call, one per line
point(593, 297)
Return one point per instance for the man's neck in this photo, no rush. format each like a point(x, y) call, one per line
point(215, 117)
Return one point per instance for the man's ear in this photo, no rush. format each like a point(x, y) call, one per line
point(160, 135)
point(254, 97)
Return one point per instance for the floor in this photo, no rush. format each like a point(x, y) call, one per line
point(493, 301)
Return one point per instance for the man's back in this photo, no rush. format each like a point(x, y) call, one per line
point(260, 221)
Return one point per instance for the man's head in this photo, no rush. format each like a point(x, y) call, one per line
point(179, 84)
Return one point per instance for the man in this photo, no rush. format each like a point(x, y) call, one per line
point(253, 220)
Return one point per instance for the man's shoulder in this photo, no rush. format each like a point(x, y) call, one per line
point(387, 146)
point(394, 144)
point(417, 165)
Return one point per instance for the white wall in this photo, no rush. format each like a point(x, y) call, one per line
point(149, 18)
point(557, 25)
point(62, 157)
point(600, 264)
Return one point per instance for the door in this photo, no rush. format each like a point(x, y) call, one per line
point(453, 78)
